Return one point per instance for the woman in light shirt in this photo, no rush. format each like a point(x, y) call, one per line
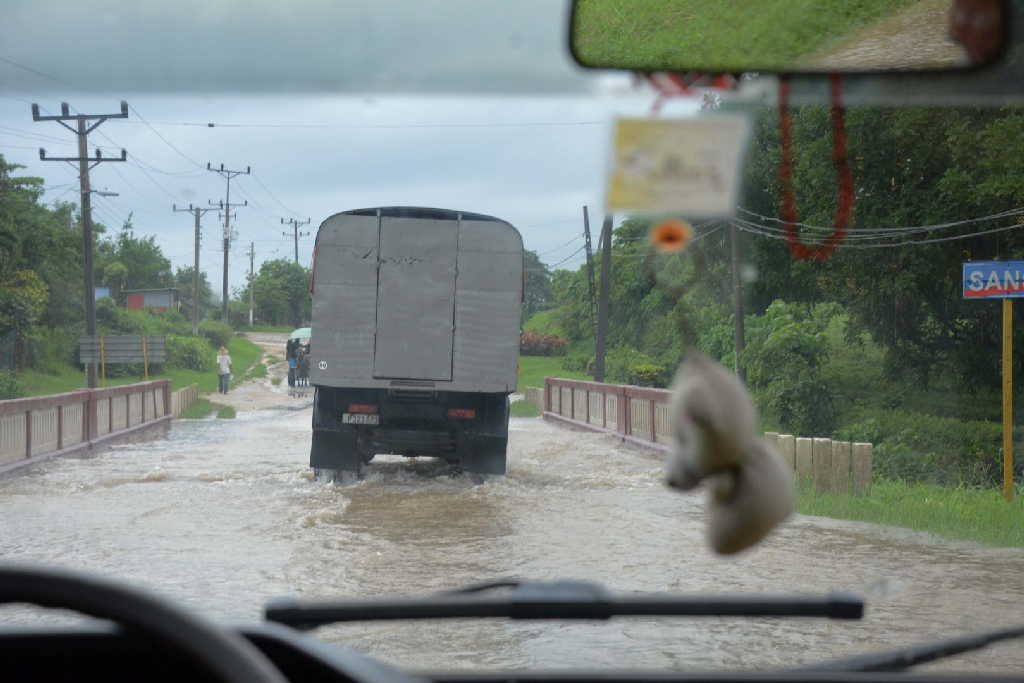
point(223, 368)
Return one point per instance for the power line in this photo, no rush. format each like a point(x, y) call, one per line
point(165, 140)
point(360, 126)
point(30, 70)
point(555, 265)
point(576, 238)
point(273, 196)
point(894, 229)
point(886, 245)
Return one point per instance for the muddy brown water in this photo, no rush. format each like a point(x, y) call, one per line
point(223, 515)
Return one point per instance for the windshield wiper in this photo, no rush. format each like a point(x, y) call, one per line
point(905, 658)
point(559, 600)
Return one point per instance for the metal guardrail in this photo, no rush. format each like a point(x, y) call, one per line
point(32, 429)
point(640, 415)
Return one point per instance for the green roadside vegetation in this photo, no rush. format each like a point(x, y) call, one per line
point(244, 354)
point(961, 513)
point(722, 36)
point(198, 410)
point(524, 409)
point(281, 329)
point(533, 370)
point(226, 413)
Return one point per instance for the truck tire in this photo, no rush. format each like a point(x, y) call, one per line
point(334, 454)
point(484, 455)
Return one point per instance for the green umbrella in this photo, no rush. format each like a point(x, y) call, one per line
point(300, 333)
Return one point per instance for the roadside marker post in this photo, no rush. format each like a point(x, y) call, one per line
point(1000, 280)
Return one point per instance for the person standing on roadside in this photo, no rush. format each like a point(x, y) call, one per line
point(223, 369)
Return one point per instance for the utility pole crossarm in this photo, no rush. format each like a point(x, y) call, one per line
point(225, 206)
point(295, 223)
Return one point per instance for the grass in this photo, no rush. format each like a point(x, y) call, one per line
point(198, 410)
point(533, 370)
point(245, 356)
point(723, 36)
point(979, 515)
point(276, 381)
point(225, 413)
point(524, 409)
point(268, 328)
point(544, 322)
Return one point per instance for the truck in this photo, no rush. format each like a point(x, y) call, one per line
point(415, 327)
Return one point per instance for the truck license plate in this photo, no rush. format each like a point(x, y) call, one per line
point(360, 419)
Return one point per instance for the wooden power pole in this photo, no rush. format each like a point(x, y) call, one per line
point(85, 124)
point(739, 336)
point(252, 277)
point(602, 301)
point(295, 223)
point(225, 206)
point(198, 212)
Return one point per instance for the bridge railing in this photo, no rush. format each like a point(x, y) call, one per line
point(33, 428)
point(640, 415)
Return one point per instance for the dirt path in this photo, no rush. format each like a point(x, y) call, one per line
point(914, 38)
point(261, 393)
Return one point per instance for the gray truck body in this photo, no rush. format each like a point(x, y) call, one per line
point(415, 311)
point(427, 299)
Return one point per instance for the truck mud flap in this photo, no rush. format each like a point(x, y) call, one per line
point(335, 450)
point(483, 454)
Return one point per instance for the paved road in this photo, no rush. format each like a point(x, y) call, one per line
point(223, 515)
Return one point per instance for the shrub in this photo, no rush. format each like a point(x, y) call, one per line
point(578, 362)
point(648, 375)
point(786, 349)
point(10, 386)
point(537, 344)
point(915, 447)
point(217, 332)
point(191, 353)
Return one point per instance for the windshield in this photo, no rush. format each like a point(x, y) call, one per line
point(377, 242)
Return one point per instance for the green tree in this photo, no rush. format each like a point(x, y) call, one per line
point(537, 292)
point(183, 283)
point(280, 292)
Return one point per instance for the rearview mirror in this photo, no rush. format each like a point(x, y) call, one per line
point(787, 36)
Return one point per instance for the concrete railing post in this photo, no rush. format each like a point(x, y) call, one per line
point(28, 433)
point(841, 467)
point(822, 457)
point(862, 469)
point(787, 449)
point(804, 459)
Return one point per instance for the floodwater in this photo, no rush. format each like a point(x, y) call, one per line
point(224, 515)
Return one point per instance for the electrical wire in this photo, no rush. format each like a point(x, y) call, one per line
point(887, 245)
point(361, 126)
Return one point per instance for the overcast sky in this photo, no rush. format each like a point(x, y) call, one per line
point(460, 104)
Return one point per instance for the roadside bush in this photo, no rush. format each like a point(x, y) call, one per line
point(218, 333)
point(10, 387)
point(578, 362)
point(649, 375)
point(191, 353)
point(786, 349)
point(915, 447)
point(537, 344)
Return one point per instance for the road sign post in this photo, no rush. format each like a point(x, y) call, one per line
point(1000, 280)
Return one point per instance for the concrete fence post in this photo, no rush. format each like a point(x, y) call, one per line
point(28, 433)
point(804, 461)
point(786, 444)
point(841, 452)
point(862, 453)
point(822, 457)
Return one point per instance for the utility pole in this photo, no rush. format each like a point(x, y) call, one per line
point(85, 164)
point(295, 223)
point(602, 302)
point(590, 268)
point(225, 206)
point(252, 277)
point(737, 302)
point(198, 212)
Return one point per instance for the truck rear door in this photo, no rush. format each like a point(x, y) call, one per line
point(416, 299)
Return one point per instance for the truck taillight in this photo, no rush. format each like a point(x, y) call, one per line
point(365, 408)
point(462, 413)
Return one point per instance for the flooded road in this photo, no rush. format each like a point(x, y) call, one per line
point(223, 515)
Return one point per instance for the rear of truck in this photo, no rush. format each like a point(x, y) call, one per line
point(416, 316)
